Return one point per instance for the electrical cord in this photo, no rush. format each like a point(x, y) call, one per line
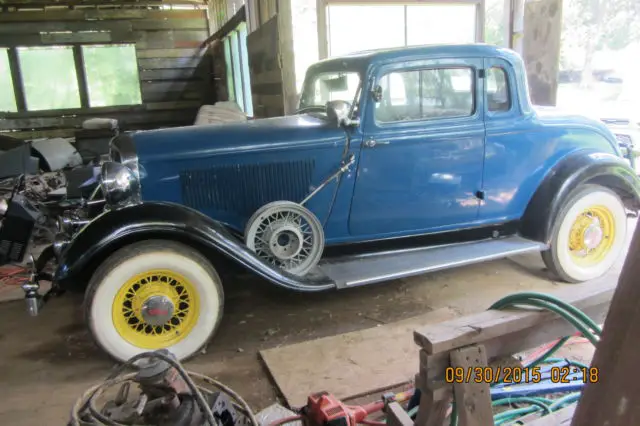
point(87, 401)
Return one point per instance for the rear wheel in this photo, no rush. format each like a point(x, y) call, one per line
point(152, 295)
point(588, 236)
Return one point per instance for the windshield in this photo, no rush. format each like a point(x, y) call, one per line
point(329, 86)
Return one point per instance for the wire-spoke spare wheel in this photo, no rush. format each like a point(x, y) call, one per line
point(287, 235)
point(152, 295)
point(589, 234)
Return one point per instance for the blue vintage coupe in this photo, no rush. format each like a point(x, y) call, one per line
point(397, 163)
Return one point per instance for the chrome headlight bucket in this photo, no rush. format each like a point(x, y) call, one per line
point(119, 184)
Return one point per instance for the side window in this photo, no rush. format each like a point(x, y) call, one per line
point(425, 94)
point(498, 98)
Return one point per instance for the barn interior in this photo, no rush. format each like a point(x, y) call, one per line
point(75, 74)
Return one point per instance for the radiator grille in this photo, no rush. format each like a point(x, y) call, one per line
point(243, 188)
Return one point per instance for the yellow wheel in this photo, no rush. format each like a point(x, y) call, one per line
point(153, 295)
point(156, 309)
point(589, 235)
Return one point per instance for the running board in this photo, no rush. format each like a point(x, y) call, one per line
point(371, 268)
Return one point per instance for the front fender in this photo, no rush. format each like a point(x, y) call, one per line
point(162, 220)
point(577, 168)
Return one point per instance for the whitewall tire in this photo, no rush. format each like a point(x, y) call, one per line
point(151, 295)
point(589, 235)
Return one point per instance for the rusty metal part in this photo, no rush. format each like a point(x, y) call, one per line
point(161, 393)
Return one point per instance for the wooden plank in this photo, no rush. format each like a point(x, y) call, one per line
point(155, 106)
point(489, 324)
point(433, 407)
point(53, 3)
point(98, 14)
point(170, 96)
point(52, 26)
point(508, 344)
point(170, 86)
point(95, 111)
point(160, 63)
point(170, 24)
point(397, 416)
point(9, 40)
point(614, 398)
point(170, 53)
point(473, 399)
point(173, 74)
point(561, 417)
point(349, 364)
point(169, 39)
point(35, 134)
point(266, 77)
point(125, 119)
point(267, 88)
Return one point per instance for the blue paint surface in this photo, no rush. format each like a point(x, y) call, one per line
point(427, 176)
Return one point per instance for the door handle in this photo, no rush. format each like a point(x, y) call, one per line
point(371, 143)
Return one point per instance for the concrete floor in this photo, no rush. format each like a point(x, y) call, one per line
point(48, 361)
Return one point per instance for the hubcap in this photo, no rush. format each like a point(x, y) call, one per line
point(592, 235)
point(155, 309)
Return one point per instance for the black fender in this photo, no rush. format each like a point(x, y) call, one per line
point(162, 220)
point(575, 169)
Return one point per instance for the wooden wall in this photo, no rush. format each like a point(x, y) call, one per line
point(271, 58)
point(175, 69)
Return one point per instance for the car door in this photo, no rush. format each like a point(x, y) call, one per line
point(420, 165)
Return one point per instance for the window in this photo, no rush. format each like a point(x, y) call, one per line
point(498, 98)
point(50, 86)
point(237, 65)
point(426, 94)
point(330, 86)
point(50, 77)
point(7, 98)
point(112, 75)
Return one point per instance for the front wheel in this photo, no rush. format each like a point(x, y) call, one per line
point(151, 295)
point(588, 236)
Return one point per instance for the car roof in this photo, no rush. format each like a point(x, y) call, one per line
point(361, 60)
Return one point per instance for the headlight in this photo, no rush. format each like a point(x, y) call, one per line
point(118, 183)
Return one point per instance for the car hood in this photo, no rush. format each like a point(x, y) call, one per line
point(216, 139)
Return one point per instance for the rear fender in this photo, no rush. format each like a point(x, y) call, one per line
point(574, 170)
point(160, 220)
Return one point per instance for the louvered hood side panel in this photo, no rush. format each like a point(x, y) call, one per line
point(240, 189)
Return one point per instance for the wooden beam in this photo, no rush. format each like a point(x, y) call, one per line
point(170, 53)
point(170, 63)
point(99, 14)
point(124, 119)
point(473, 399)
point(479, 328)
point(172, 74)
point(53, 3)
point(230, 25)
point(16, 79)
point(397, 416)
point(614, 398)
point(81, 75)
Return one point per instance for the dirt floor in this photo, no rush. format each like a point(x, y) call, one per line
point(46, 362)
